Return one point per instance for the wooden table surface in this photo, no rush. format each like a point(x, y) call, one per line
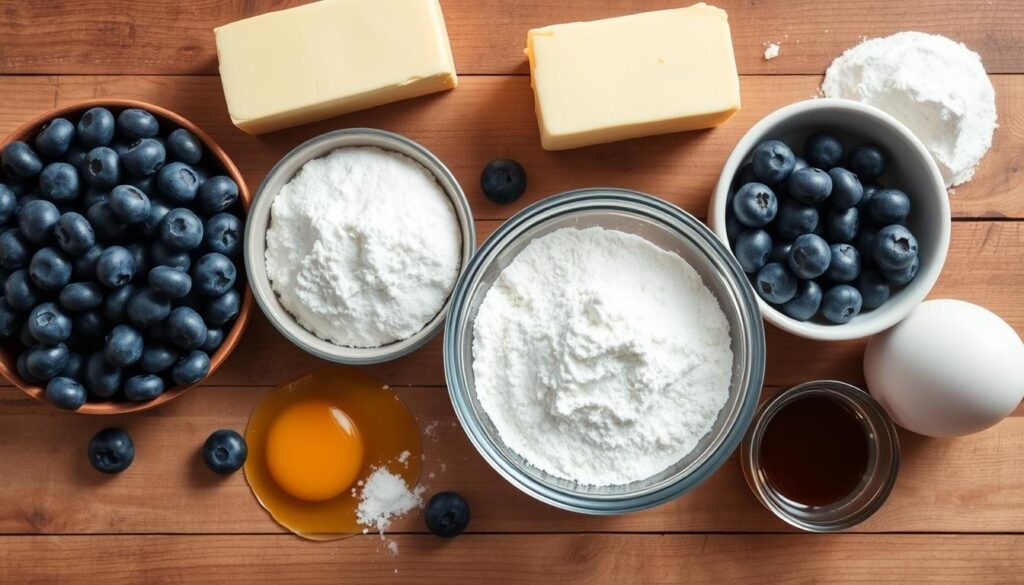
point(956, 514)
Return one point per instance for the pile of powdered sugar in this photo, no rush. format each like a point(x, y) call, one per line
point(385, 496)
point(599, 357)
point(935, 86)
point(363, 247)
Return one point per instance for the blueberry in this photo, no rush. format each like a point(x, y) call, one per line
point(780, 252)
point(19, 291)
point(869, 192)
point(48, 324)
point(49, 269)
point(874, 290)
point(150, 226)
point(22, 369)
point(181, 229)
point(847, 190)
point(170, 282)
point(8, 204)
point(84, 266)
point(186, 328)
point(101, 377)
point(841, 303)
point(143, 387)
point(74, 234)
point(115, 267)
point(14, 249)
point(903, 276)
point(129, 204)
point(845, 264)
point(795, 219)
point(140, 253)
point(775, 283)
point(104, 222)
point(161, 255)
point(223, 234)
point(213, 274)
point(43, 362)
point(773, 162)
point(503, 181)
point(755, 205)
point(809, 257)
point(805, 304)
point(135, 124)
point(191, 368)
point(894, 248)
point(96, 128)
point(220, 310)
point(182, 146)
point(146, 307)
point(144, 158)
point(65, 393)
point(102, 168)
point(37, 220)
point(752, 249)
point(867, 161)
point(446, 514)
point(54, 138)
point(81, 296)
point(74, 368)
point(115, 307)
point(889, 206)
point(111, 450)
point(89, 324)
point(59, 182)
point(810, 185)
point(214, 339)
point(225, 451)
point(216, 194)
point(823, 150)
point(19, 160)
point(157, 357)
point(842, 225)
point(92, 196)
point(178, 182)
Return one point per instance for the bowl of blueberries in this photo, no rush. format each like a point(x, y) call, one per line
point(838, 215)
point(120, 256)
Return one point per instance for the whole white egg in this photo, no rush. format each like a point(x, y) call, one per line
point(950, 368)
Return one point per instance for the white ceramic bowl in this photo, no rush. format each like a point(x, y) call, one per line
point(259, 220)
point(910, 169)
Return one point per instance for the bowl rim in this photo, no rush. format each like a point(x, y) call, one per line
point(241, 322)
point(264, 294)
point(882, 318)
point(609, 198)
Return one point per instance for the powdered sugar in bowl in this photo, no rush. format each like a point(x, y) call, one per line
point(694, 269)
point(354, 244)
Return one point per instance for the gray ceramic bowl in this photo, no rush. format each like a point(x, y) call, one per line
point(259, 220)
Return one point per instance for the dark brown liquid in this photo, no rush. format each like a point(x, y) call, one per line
point(814, 451)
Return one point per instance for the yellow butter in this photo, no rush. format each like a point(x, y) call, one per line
point(638, 75)
point(330, 57)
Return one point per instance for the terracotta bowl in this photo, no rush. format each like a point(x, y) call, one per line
point(9, 351)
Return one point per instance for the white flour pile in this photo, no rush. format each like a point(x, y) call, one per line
point(600, 357)
point(363, 247)
point(384, 497)
point(937, 87)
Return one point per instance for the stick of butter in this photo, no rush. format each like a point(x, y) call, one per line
point(638, 75)
point(331, 57)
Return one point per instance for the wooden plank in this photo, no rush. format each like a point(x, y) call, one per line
point(604, 559)
point(487, 36)
point(972, 484)
point(491, 117)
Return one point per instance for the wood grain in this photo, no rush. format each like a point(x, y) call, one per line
point(592, 559)
point(973, 484)
point(487, 36)
point(490, 117)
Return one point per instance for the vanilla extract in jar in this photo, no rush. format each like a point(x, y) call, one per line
point(822, 456)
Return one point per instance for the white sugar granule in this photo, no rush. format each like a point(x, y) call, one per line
point(935, 86)
point(599, 357)
point(771, 51)
point(363, 247)
point(384, 497)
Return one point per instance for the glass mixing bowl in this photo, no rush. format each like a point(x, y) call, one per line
point(668, 227)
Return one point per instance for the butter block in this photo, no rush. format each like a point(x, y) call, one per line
point(331, 57)
point(631, 76)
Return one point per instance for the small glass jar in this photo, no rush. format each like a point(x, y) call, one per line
point(874, 487)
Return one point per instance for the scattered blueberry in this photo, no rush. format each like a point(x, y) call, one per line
point(752, 249)
point(19, 160)
point(894, 248)
point(143, 387)
point(847, 190)
point(44, 362)
point(186, 328)
point(59, 182)
point(123, 346)
point(135, 124)
point(65, 393)
point(809, 257)
point(823, 150)
point(888, 206)
point(213, 274)
point(841, 303)
point(129, 204)
point(805, 304)
point(867, 162)
point(503, 180)
point(144, 158)
point(773, 162)
point(845, 264)
point(74, 234)
point(216, 195)
point(446, 514)
point(810, 185)
point(178, 182)
point(102, 168)
point(191, 368)
point(170, 282)
point(111, 450)
point(96, 128)
point(775, 283)
point(223, 234)
point(183, 146)
point(225, 451)
point(37, 220)
point(755, 205)
point(181, 229)
point(115, 267)
point(54, 138)
point(157, 357)
point(81, 296)
point(49, 269)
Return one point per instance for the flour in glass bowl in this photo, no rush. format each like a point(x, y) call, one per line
point(599, 357)
point(363, 247)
